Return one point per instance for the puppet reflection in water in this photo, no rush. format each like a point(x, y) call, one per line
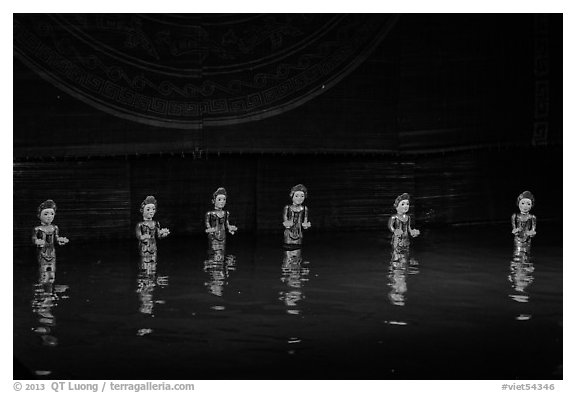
point(401, 265)
point(521, 276)
point(46, 296)
point(218, 266)
point(294, 275)
point(148, 280)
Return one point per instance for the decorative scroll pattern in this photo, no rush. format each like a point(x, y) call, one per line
point(189, 71)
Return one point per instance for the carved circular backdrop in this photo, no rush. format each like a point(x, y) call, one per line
point(196, 70)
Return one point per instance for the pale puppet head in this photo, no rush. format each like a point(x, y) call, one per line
point(525, 202)
point(219, 198)
point(402, 203)
point(47, 212)
point(298, 194)
point(148, 208)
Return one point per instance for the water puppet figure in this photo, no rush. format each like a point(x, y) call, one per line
point(400, 224)
point(217, 221)
point(148, 230)
point(46, 235)
point(524, 223)
point(295, 217)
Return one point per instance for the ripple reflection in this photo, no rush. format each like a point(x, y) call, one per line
point(401, 265)
point(47, 296)
point(521, 276)
point(218, 266)
point(294, 275)
point(147, 281)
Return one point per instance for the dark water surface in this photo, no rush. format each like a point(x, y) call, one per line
point(459, 308)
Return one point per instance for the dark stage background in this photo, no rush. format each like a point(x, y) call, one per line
point(462, 111)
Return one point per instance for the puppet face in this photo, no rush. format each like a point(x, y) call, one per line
point(403, 206)
point(148, 211)
point(47, 216)
point(220, 201)
point(525, 205)
point(298, 197)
